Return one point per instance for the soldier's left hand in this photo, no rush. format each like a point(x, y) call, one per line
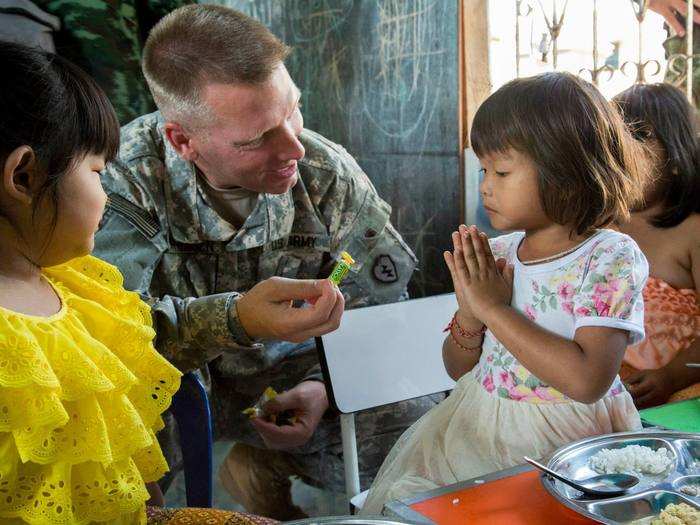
point(307, 401)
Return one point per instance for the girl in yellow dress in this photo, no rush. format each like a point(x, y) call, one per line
point(82, 388)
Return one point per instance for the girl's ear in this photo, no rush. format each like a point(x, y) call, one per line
point(20, 179)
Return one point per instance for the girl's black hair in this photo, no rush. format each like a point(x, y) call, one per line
point(55, 108)
point(589, 172)
point(662, 112)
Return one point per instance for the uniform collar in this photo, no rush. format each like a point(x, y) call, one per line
point(193, 221)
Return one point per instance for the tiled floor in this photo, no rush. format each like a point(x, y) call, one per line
point(313, 501)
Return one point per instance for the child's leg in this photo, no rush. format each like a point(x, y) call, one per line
point(157, 499)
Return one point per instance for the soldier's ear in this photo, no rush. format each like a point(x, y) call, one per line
point(19, 175)
point(180, 140)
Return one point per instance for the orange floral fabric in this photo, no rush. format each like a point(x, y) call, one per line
point(671, 323)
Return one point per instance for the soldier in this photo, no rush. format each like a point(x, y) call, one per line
point(219, 190)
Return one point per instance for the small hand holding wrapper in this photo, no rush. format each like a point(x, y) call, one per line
point(258, 410)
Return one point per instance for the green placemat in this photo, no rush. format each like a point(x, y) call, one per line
point(683, 416)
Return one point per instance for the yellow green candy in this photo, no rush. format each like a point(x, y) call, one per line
point(341, 269)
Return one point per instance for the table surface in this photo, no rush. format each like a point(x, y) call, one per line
point(510, 497)
point(683, 416)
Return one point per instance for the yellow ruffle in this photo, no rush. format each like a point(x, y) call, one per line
point(81, 397)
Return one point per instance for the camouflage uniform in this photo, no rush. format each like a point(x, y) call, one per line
point(105, 38)
point(676, 72)
point(173, 248)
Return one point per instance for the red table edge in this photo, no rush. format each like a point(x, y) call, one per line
point(401, 509)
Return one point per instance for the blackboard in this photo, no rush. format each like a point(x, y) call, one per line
point(380, 77)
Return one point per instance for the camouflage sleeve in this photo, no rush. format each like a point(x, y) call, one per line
point(361, 226)
point(314, 374)
point(190, 331)
point(194, 330)
point(675, 47)
point(103, 38)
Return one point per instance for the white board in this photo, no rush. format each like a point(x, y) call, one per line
point(387, 353)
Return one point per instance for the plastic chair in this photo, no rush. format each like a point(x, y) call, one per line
point(382, 355)
point(190, 407)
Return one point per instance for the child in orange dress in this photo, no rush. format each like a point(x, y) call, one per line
point(667, 229)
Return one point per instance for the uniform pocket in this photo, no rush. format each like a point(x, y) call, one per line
point(288, 266)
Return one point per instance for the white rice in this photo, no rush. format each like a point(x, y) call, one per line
point(633, 459)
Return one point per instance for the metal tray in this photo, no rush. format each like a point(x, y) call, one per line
point(644, 501)
point(349, 520)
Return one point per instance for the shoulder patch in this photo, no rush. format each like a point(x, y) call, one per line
point(136, 216)
point(384, 269)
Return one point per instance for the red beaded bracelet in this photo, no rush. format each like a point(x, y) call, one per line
point(465, 348)
point(461, 331)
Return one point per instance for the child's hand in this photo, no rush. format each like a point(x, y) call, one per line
point(650, 387)
point(464, 310)
point(480, 282)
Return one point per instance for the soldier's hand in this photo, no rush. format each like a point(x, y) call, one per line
point(669, 8)
point(266, 311)
point(307, 401)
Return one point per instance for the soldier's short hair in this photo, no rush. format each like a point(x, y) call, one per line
point(199, 44)
point(590, 168)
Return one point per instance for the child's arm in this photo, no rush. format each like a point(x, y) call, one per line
point(654, 387)
point(582, 369)
point(459, 353)
point(459, 361)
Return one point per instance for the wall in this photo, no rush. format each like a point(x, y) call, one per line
point(381, 78)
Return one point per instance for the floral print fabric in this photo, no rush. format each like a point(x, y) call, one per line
point(599, 284)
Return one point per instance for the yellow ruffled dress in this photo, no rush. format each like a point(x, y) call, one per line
point(81, 397)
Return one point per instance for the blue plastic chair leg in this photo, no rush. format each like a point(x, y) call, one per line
point(191, 410)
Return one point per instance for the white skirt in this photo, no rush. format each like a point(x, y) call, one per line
point(472, 433)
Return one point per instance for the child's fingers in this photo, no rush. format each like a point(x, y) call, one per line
point(469, 256)
point(490, 259)
point(479, 251)
point(509, 274)
point(457, 279)
point(460, 266)
point(450, 266)
point(501, 265)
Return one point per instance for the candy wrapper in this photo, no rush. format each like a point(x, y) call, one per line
point(341, 269)
point(256, 411)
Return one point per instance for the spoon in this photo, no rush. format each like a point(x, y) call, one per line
point(693, 365)
point(607, 485)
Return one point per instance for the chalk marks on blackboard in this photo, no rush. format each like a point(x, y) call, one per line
point(314, 20)
point(380, 78)
point(402, 65)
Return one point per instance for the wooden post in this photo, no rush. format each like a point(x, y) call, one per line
point(474, 76)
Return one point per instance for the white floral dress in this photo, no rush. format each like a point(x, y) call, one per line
point(500, 412)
